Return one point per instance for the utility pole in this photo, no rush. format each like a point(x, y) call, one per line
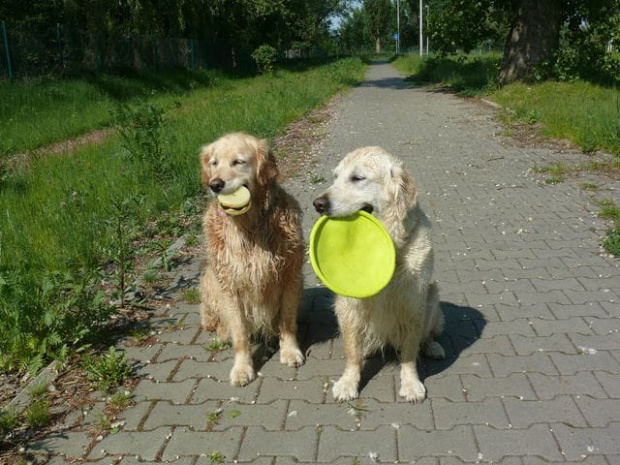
point(398, 26)
point(421, 27)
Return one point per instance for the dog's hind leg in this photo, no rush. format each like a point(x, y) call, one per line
point(430, 347)
point(290, 354)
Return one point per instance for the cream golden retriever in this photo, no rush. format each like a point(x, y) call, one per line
point(406, 314)
point(252, 283)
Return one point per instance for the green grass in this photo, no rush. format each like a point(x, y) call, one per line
point(108, 371)
point(587, 114)
point(42, 111)
point(69, 223)
point(468, 75)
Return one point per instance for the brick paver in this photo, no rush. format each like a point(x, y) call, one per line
point(532, 324)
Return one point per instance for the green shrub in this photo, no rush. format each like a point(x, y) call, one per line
point(265, 57)
point(107, 371)
point(42, 315)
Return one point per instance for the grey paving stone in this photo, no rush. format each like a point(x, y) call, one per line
point(70, 445)
point(591, 460)
point(521, 326)
point(583, 297)
point(192, 369)
point(487, 412)
point(479, 388)
point(179, 336)
point(180, 351)
point(176, 393)
point(554, 343)
point(599, 412)
point(499, 344)
point(301, 445)
point(582, 383)
point(272, 389)
point(588, 344)
point(447, 387)
point(210, 389)
point(525, 413)
point(145, 445)
point(545, 285)
point(414, 444)
point(571, 364)
point(610, 383)
point(378, 414)
point(510, 313)
point(537, 440)
point(578, 443)
point(133, 416)
point(142, 354)
point(157, 371)
point(184, 442)
point(563, 312)
point(604, 326)
point(533, 298)
point(572, 325)
point(380, 443)
point(301, 414)
point(535, 363)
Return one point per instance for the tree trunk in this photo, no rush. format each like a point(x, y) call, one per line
point(534, 35)
point(378, 45)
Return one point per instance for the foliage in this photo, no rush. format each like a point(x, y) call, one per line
point(107, 371)
point(8, 420)
point(587, 29)
point(469, 75)
point(265, 57)
point(230, 30)
point(141, 130)
point(462, 25)
point(42, 315)
point(379, 13)
point(71, 223)
point(611, 242)
point(585, 113)
point(38, 413)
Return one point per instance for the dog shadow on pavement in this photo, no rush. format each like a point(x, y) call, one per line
point(318, 325)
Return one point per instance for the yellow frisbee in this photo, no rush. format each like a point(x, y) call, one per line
point(354, 256)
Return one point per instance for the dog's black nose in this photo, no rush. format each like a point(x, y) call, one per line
point(216, 185)
point(321, 204)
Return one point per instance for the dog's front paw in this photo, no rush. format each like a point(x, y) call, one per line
point(345, 389)
point(292, 357)
point(241, 374)
point(412, 390)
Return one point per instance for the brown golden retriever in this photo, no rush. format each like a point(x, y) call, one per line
point(252, 283)
point(406, 314)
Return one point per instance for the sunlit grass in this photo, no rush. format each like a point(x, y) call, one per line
point(77, 212)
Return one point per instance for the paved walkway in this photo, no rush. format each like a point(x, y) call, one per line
point(532, 309)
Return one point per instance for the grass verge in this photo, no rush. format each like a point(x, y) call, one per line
point(72, 223)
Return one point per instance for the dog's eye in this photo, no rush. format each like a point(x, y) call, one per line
point(357, 178)
point(238, 161)
point(213, 162)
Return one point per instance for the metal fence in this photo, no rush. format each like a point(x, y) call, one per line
point(61, 50)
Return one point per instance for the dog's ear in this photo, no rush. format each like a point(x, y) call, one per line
point(206, 152)
point(266, 167)
point(403, 193)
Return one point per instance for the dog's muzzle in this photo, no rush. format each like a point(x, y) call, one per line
point(321, 205)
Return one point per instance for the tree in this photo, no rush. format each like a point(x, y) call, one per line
point(379, 13)
point(564, 39)
point(534, 36)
